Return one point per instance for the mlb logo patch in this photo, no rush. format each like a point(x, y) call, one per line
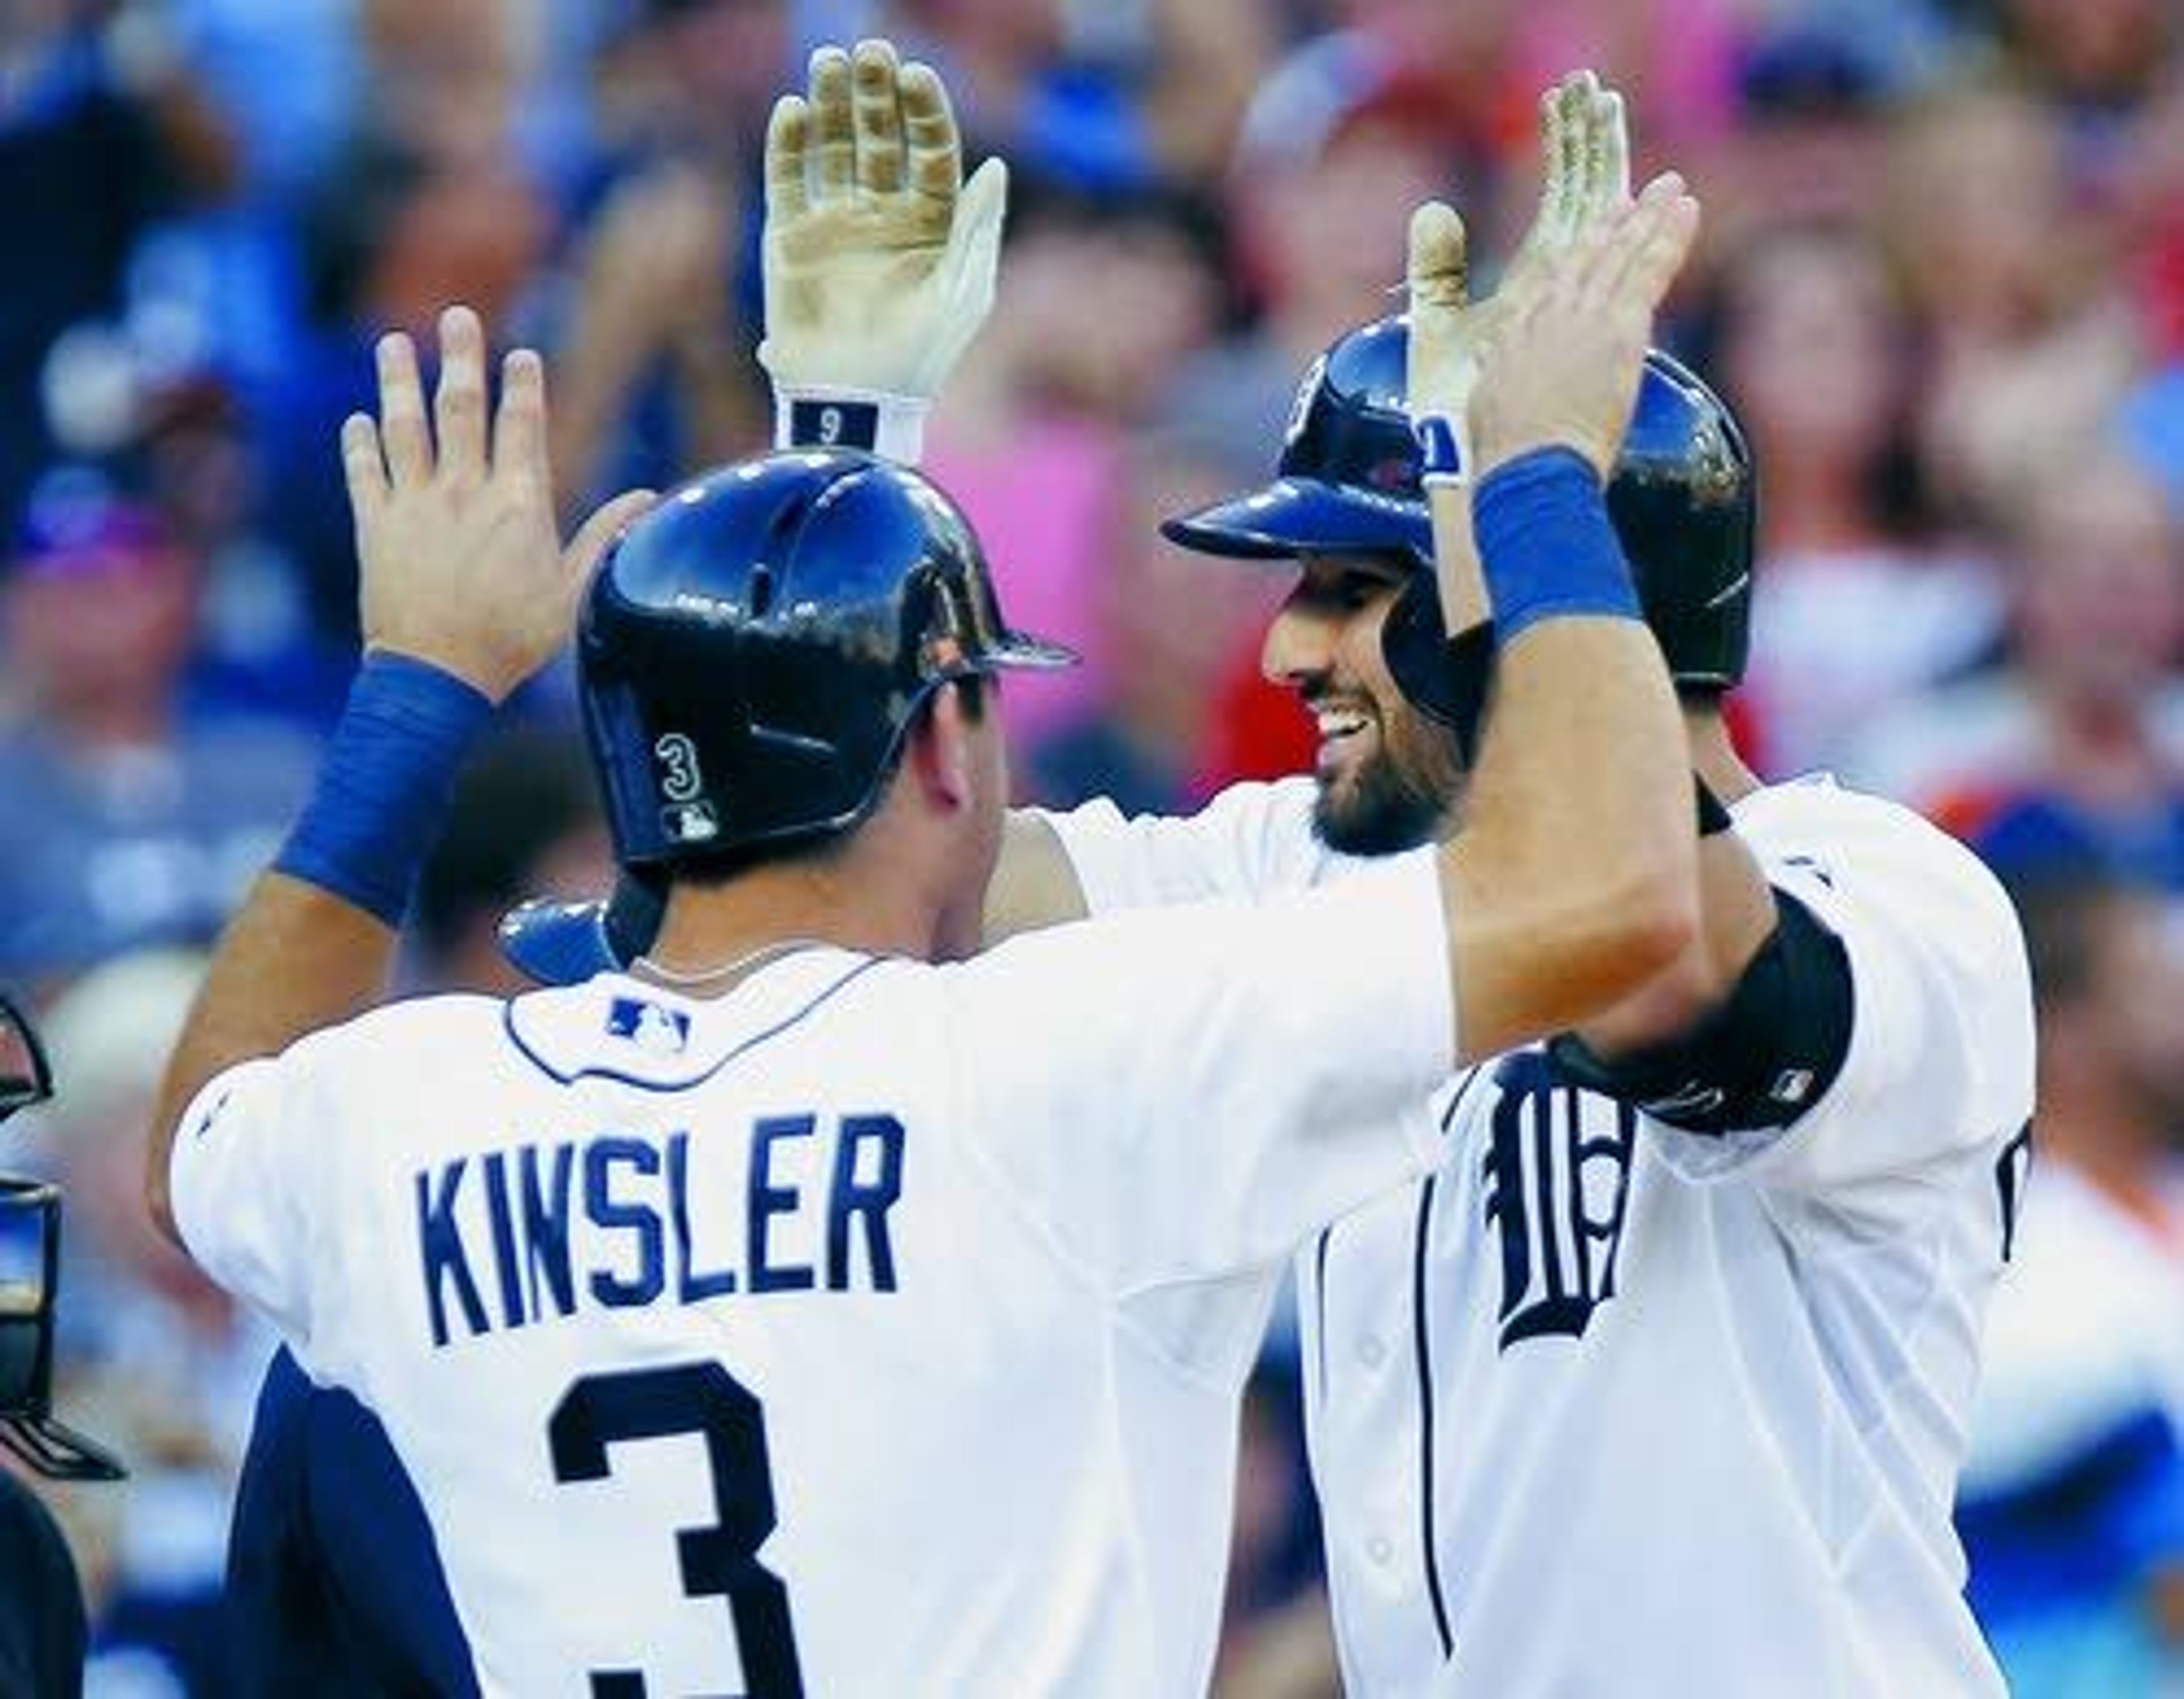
point(649, 1026)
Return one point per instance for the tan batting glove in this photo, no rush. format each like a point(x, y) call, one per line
point(1564, 366)
point(878, 257)
point(1586, 177)
point(1584, 148)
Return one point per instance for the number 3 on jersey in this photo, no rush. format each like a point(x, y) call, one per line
point(600, 1411)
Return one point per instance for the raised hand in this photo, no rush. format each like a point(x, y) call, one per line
point(1563, 365)
point(1584, 154)
point(879, 259)
point(1584, 147)
point(460, 563)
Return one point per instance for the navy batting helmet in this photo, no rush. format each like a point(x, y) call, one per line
point(751, 652)
point(1683, 497)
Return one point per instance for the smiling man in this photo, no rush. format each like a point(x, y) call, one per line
point(1658, 1382)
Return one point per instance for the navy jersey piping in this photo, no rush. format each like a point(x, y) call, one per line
point(515, 1038)
point(1423, 1351)
point(1319, 1303)
point(1422, 1348)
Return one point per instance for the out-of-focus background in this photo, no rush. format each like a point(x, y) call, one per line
point(1942, 278)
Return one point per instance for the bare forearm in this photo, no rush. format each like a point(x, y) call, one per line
point(294, 959)
point(1576, 880)
point(1737, 907)
point(1574, 866)
point(1595, 747)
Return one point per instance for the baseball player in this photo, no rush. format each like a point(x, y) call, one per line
point(807, 1307)
point(1659, 1384)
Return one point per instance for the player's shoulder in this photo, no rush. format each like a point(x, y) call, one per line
point(618, 1027)
point(378, 1065)
point(1927, 925)
point(1247, 805)
point(1250, 839)
point(1274, 818)
point(1286, 801)
point(402, 1038)
point(1880, 844)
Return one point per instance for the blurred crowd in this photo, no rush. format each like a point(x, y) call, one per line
point(1941, 281)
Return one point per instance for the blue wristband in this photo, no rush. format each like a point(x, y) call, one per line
point(385, 783)
point(1547, 545)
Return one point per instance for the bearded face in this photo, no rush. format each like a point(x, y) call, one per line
point(1388, 777)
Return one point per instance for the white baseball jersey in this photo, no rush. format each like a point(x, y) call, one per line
point(1605, 1408)
point(875, 1328)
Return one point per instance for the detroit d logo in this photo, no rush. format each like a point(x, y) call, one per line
point(1558, 1178)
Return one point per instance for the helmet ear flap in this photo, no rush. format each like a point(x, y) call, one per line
point(1448, 678)
point(1685, 503)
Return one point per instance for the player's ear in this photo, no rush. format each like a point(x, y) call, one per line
point(942, 754)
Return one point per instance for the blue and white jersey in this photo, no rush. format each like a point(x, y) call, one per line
point(877, 1328)
point(1601, 1407)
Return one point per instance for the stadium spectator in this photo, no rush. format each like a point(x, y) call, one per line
point(137, 821)
point(2078, 740)
point(1859, 604)
point(2072, 1509)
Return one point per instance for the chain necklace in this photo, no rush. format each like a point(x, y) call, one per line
point(740, 965)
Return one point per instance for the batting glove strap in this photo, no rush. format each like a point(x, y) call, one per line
point(1440, 449)
point(891, 427)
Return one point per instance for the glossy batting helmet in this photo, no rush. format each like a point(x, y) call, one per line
point(1683, 498)
point(752, 651)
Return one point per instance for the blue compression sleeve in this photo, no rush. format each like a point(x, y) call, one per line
point(385, 783)
point(1547, 544)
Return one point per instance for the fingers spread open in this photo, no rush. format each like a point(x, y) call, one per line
point(878, 110)
point(402, 427)
point(363, 467)
point(519, 431)
point(787, 158)
point(459, 406)
point(928, 122)
point(833, 125)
